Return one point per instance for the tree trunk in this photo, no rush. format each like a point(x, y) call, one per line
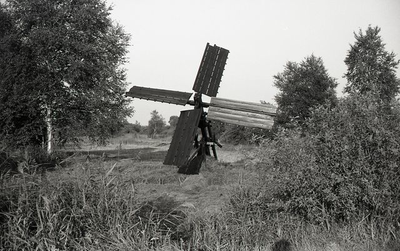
point(49, 127)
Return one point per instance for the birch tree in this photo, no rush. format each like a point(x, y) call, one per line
point(61, 71)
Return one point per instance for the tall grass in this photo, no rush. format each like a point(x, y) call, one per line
point(88, 212)
point(99, 209)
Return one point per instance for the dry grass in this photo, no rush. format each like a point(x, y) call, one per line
point(136, 204)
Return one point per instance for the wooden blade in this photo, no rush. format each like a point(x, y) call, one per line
point(241, 113)
point(182, 141)
point(159, 95)
point(210, 71)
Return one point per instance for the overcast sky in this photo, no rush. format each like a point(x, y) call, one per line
point(169, 37)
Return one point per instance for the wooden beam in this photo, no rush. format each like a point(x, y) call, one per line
point(240, 118)
point(247, 114)
point(243, 106)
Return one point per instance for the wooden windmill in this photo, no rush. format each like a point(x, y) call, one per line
point(187, 150)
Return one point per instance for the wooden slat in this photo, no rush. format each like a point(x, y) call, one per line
point(243, 106)
point(205, 70)
point(243, 123)
point(217, 72)
point(240, 118)
point(208, 74)
point(210, 71)
point(160, 95)
point(242, 113)
point(260, 116)
point(182, 140)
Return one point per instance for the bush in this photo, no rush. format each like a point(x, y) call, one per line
point(345, 165)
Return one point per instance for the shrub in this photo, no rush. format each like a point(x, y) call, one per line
point(357, 149)
point(345, 165)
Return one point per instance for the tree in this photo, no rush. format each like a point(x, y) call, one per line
point(130, 128)
point(156, 124)
point(173, 121)
point(370, 68)
point(302, 86)
point(19, 124)
point(60, 72)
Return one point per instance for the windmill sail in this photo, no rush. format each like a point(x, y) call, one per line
point(159, 95)
point(241, 113)
point(210, 71)
point(182, 141)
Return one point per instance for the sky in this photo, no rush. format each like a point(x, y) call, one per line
point(168, 39)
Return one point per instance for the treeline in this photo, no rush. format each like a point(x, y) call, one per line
point(306, 88)
point(336, 160)
point(156, 127)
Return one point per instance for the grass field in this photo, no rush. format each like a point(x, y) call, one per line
point(123, 198)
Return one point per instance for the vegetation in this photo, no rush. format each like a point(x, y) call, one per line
point(60, 72)
point(370, 68)
point(156, 124)
point(345, 168)
point(331, 184)
point(129, 128)
point(302, 86)
point(142, 205)
point(235, 134)
point(173, 121)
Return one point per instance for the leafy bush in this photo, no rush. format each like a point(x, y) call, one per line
point(345, 165)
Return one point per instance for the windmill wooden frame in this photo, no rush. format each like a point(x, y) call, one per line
point(187, 150)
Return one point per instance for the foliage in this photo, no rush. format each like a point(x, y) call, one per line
point(156, 124)
point(370, 68)
point(130, 128)
point(131, 206)
point(63, 58)
point(173, 121)
point(234, 134)
point(218, 128)
point(345, 167)
point(19, 113)
point(302, 86)
point(87, 213)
